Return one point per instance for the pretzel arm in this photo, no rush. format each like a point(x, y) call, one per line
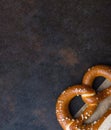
point(96, 71)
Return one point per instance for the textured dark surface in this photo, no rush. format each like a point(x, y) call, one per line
point(45, 46)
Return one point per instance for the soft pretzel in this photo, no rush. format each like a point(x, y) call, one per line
point(89, 97)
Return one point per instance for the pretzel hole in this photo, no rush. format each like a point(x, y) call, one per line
point(75, 105)
point(97, 82)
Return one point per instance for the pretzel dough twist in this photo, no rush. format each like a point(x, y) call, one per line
point(89, 97)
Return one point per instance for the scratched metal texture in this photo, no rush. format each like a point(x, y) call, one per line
point(45, 46)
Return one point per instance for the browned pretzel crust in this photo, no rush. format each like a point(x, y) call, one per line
point(96, 71)
point(88, 96)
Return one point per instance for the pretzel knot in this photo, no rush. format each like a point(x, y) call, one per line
point(89, 96)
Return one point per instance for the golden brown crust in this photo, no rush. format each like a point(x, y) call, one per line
point(96, 71)
point(88, 96)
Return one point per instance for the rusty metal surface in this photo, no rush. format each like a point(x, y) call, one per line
point(45, 46)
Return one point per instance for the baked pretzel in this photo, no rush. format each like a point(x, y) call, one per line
point(88, 96)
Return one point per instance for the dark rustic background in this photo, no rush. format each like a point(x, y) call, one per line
point(45, 46)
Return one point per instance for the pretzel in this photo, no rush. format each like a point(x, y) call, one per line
point(89, 96)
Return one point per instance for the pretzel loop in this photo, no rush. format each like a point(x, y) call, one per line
point(62, 111)
point(89, 96)
point(96, 71)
